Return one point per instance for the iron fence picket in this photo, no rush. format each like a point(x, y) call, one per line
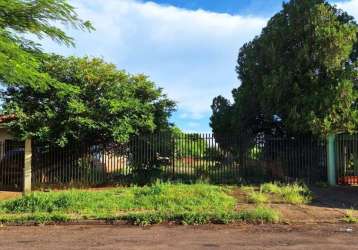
point(185, 157)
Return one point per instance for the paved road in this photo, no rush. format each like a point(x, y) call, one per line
point(181, 237)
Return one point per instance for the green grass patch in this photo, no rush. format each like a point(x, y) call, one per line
point(272, 188)
point(256, 215)
point(187, 204)
point(350, 217)
point(295, 194)
point(159, 197)
point(257, 197)
point(290, 194)
point(260, 214)
point(39, 218)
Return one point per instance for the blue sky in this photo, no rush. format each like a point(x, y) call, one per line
point(234, 7)
point(187, 47)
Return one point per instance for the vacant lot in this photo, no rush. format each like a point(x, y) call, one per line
point(311, 221)
point(187, 204)
point(325, 236)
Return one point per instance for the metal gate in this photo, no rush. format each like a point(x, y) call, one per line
point(11, 165)
point(347, 159)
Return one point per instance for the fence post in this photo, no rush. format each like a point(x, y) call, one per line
point(173, 156)
point(331, 160)
point(27, 167)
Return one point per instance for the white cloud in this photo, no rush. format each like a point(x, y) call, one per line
point(350, 6)
point(191, 54)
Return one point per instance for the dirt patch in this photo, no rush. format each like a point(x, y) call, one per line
point(308, 213)
point(9, 195)
point(328, 205)
point(313, 236)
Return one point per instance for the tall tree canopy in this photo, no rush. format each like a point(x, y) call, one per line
point(302, 71)
point(95, 103)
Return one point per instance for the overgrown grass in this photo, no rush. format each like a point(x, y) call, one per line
point(257, 197)
point(273, 188)
point(188, 204)
point(257, 215)
point(291, 193)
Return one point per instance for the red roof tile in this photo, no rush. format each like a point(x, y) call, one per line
point(7, 118)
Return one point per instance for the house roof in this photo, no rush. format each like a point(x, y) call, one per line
point(7, 118)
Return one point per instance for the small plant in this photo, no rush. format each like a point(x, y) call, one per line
point(350, 217)
point(272, 188)
point(295, 194)
point(291, 194)
point(257, 197)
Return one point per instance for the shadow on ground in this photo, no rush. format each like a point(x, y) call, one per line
point(335, 197)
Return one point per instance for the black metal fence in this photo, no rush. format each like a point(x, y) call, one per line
point(184, 157)
point(347, 159)
point(11, 165)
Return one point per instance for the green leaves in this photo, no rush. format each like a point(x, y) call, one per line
point(303, 68)
point(59, 99)
point(91, 101)
point(39, 17)
point(20, 57)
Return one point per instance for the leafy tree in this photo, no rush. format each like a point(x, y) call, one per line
point(19, 64)
point(94, 102)
point(301, 73)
